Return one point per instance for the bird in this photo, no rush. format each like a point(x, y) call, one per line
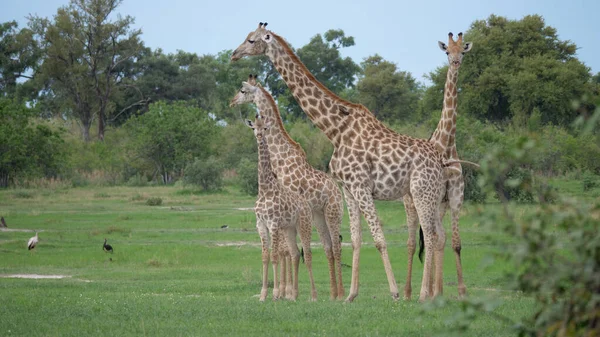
point(106, 247)
point(2, 222)
point(32, 242)
point(224, 226)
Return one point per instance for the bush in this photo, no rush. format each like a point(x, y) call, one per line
point(248, 176)
point(589, 181)
point(208, 174)
point(154, 201)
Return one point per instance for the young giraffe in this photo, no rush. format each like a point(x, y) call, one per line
point(280, 213)
point(444, 140)
point(371, 160)
point(294, 172)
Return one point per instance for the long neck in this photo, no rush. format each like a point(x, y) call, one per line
point(321, 105)
point(277, 138)
point(265, 172)
point(445, 133)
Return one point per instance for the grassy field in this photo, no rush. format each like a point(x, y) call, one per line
point(176, 272)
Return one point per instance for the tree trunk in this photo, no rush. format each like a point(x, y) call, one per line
point(101, 125)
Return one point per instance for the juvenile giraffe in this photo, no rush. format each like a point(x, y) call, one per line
point(281, 214)
point(371, 160)
point(294, 172)
point(445, 141)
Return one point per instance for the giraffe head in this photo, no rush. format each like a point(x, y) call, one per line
point(455, 50)
point(255, 44)
point(260, 125)
point(247, 92)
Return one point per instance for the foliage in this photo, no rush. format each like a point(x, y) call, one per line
point(154, 201)
point(516, 67)
point(236, 143)
point(247, 172)
point(27, 149)
point(589, 181)
point(207, 174)
point(390, 94)
point(317, 147)
point(19, 53)
point(85, 55)
point(170, 136)
point(555, 253)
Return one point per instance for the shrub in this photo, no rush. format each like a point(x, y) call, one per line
point(208, 174)
point(589, 181)
point(154, 201)
point(248, 176)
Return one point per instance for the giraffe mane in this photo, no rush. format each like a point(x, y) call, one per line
point(279, 121)
point(337, 99)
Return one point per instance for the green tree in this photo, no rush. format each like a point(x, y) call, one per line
point(27, 149)
point(171, 135)
point(390, 94)
point(516, 67)
point(19, 55)
point(85, 55)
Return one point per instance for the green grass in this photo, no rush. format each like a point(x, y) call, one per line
point(175, 272)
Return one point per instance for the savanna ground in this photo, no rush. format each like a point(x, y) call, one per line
point(176, 272)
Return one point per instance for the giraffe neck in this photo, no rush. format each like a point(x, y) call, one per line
point(266, 176)
point(321, 105)
point(444, 135)
point(279, 142)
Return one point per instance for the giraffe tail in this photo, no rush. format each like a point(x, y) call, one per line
point(421, 244)
point(302, 254)
point(453, 161)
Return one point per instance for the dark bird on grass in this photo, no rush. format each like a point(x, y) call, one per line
point(32, 242)
point(106, 247)
point(3, 223)
point(224, 226)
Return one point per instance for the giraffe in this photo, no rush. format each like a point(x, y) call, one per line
point(281, 214)
point(369, 159)
point(444, 140)
point(296, 174)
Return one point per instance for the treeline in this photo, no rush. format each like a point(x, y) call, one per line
point(83, 101)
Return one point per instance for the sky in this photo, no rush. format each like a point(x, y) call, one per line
point(403, 32)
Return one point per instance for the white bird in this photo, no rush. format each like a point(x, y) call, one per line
point(32, 242)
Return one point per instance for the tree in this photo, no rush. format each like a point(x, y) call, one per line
point(19, 54)
point(171, 135)
point(85, 54)
point(26, 150)
point(516, 67)
point(390, 94)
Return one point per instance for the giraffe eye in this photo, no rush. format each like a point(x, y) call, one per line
point(242, 91)
point(251, 41)
point(447, 53)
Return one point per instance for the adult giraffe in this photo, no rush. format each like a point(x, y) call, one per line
point(371, 160)
point(444, 139)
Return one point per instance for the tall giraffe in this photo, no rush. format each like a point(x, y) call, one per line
point(371, 160)
point(280, 213)
point(444, 140)
point(294, 172)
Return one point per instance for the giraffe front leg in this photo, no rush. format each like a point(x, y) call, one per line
point(334, 213)
point(264, 239)
point(275, 242)
point(305, 228)
point(412, 223)
point(456, 197)
point(356, 237)
point(325, 237)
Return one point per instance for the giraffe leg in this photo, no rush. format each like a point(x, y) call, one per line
point(455, 196)
point(326, 240)
point(305, 228)
point(294, 253)
point(334, 214)
point(356, 237)
point(412, 222)
point(264, 239)
point(276, 238)
point(364, 197)
point(289, 289)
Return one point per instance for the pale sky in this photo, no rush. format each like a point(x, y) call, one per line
point(403, 32)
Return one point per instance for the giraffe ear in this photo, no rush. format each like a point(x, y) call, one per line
point(268, 37)
point(468, 46)
point(442, 46)
point(249, 123)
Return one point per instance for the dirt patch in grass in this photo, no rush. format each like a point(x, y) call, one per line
point(35, 276)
